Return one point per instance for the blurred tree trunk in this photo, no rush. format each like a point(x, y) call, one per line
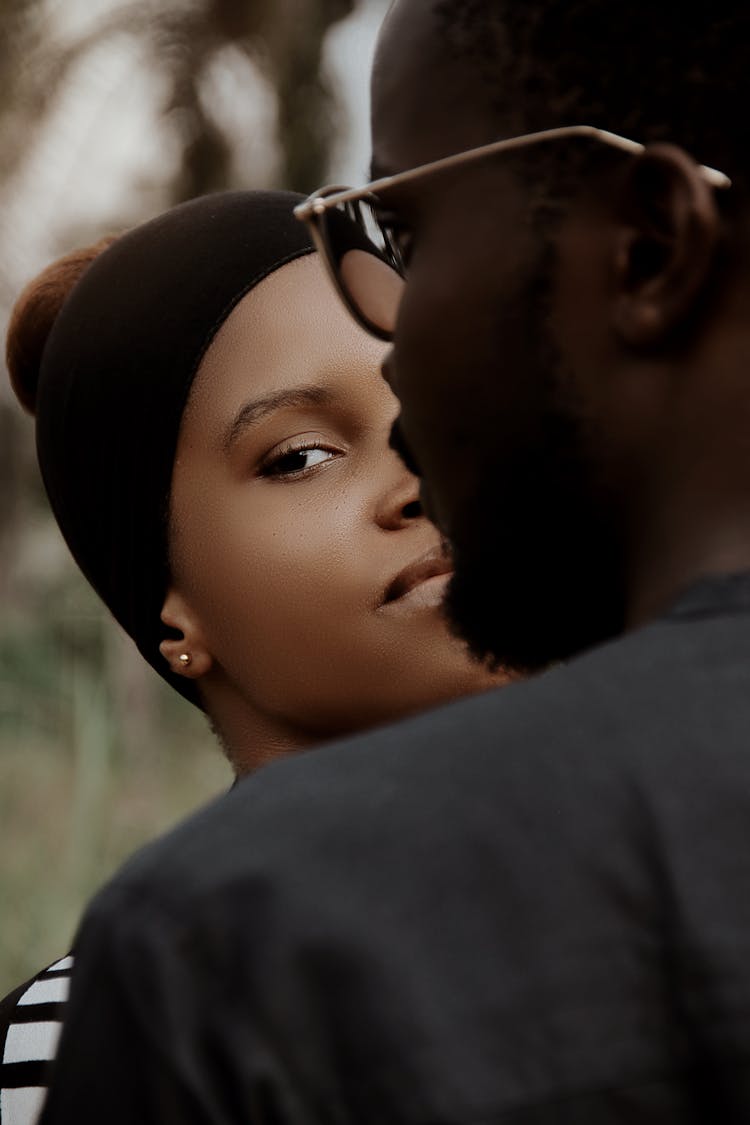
point(307, 110)
point(20, 24)
point(286, 38)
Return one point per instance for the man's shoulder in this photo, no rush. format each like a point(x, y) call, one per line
point(340, 785)
point(625, 718)
point(514, 865)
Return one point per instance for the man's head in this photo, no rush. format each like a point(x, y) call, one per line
point(566, 304)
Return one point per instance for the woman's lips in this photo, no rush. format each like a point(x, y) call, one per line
point(434, 565)
point(428, 594)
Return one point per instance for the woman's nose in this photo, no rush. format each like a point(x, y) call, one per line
point(400, 505)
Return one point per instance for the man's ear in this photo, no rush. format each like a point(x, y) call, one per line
point(185, 650)
point(670, 231)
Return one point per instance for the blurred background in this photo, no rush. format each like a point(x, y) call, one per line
point(111, 111)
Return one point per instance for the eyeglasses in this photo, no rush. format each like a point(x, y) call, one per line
point(330, 211)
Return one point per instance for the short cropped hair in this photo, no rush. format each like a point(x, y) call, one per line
point(653, 70)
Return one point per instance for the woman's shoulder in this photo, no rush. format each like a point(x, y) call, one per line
point(30, 1023)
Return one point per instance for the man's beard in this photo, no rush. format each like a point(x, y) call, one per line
point(537, 573)
point(537, 554)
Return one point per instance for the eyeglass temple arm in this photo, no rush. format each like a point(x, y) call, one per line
point(320, 200)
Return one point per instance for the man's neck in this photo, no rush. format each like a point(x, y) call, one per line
point(688, 546)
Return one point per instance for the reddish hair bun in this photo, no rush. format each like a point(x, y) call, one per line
point(35, 312)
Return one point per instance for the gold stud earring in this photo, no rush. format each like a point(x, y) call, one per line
point(185, 659)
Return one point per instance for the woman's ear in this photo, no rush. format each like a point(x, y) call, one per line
point(670, 231)
point(186, 651)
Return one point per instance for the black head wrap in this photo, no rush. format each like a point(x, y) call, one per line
point(115, 377)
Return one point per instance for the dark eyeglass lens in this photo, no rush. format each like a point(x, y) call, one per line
point(367, 265)
point(366, 218)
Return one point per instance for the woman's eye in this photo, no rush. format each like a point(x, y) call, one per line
point(294, 462)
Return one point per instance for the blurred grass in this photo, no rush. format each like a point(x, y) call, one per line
point(97, 756)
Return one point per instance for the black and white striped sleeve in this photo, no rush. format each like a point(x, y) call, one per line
point(30, 1024)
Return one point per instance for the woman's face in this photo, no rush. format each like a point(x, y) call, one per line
point(300, 556)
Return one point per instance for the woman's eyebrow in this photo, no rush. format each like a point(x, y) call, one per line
point(257, 408)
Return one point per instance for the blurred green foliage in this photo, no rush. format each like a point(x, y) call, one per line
point(91, 767)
